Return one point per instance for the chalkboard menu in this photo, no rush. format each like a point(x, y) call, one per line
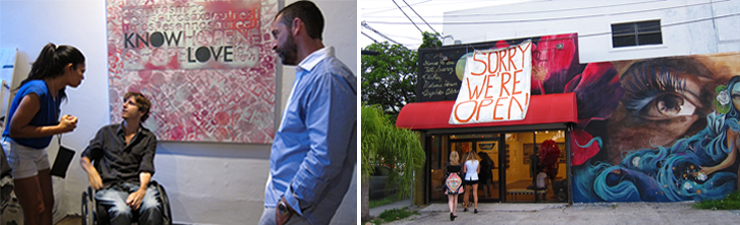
point(441, 68)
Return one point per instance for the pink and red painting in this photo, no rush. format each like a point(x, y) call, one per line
point(207, 66)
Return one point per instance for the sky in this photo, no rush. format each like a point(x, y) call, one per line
point(386, 18)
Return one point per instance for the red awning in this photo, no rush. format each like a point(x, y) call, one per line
point(543, 109)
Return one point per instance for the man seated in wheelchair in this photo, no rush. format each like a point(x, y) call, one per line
point(124, 163)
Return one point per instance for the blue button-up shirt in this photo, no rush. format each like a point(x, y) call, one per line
point(315, 148)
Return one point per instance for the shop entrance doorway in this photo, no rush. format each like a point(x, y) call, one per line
point(486, 149)
point(512, 158)
point(531, 178)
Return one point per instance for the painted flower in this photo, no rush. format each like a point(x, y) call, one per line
point(701, 176)
point(557, 69)
point(723, 97)
point(582, 148)
point(722, 102)
point(636, 161)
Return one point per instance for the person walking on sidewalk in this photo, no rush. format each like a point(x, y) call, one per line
point(471, 171)
point(453, 183)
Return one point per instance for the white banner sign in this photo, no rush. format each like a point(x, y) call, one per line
point(495, 86)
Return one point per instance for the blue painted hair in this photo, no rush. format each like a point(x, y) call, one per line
point(671, 173)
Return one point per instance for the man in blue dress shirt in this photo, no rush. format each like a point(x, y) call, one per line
point(315, 148)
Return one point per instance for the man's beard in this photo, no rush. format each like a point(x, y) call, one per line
point(288, 52)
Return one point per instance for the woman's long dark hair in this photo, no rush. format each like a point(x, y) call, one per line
point(734, 112)
point(51, 63)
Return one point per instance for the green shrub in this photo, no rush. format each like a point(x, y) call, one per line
point(384, 201)
point(392, 215)
point(396, 214)
point(732, 201)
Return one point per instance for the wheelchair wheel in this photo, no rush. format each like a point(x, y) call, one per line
point(83, 209)
point(562, 196)
point(87, 211)
point(166, 212)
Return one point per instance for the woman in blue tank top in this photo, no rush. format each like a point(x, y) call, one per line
point(32, 121)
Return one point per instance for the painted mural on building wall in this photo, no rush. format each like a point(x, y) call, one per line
point(672, 137)
point(660, 129)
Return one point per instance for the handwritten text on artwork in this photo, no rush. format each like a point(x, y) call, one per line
point(496, 86)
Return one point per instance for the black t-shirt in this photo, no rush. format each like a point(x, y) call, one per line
point(118, 162)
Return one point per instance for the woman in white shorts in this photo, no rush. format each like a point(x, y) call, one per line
point(34, 119)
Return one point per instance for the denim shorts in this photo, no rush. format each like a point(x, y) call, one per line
point(25, 161)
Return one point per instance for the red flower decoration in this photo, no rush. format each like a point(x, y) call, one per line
point(580, 155)
point(549, 153)
point(502, 44)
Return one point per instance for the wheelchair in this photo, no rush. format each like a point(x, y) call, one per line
point(561, 190)
point(94, 214)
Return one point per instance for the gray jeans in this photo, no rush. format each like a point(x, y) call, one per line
point(268, 218)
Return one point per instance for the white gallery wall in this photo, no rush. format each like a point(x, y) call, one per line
point(208, 183)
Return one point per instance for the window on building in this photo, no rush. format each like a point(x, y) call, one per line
point(636, 34)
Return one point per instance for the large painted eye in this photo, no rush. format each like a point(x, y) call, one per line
point(666, 106)
point(735, 97)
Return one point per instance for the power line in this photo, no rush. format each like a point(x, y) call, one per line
point(541, 19)
point(368, 36)
point(668, 24)
point(594, 34)
point(407, 16)
point(389, 9)
point(448, 2)
point(417, 14)
point(531, 12)
point(554, 10)
point(364, 24)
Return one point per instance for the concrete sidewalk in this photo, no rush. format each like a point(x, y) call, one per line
point(592, 213)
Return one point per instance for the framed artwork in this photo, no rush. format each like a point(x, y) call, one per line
point(207, 67)
point(462, 147)
point(488, 146)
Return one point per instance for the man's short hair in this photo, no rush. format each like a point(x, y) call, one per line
point(308, 13)
point(142, 102)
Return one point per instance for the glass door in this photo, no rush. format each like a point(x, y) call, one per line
point(488, 178)
point(530, 177)
point(552, 164)
point(486, 149)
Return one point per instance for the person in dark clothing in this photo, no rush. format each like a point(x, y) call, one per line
point(486, 175)
point(125, 164)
